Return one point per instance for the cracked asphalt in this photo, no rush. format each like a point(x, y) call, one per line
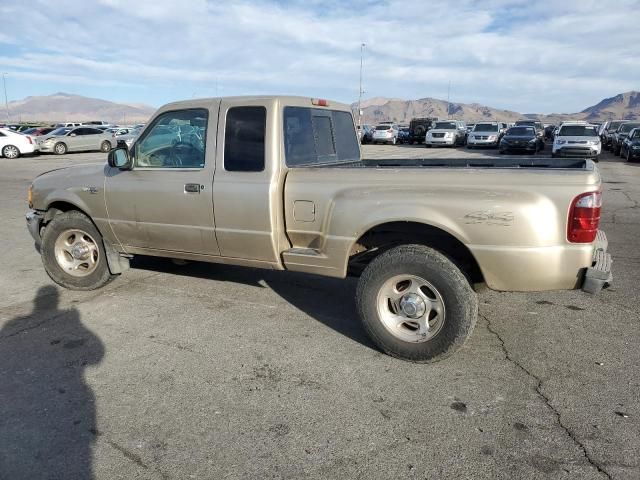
point(212, 371)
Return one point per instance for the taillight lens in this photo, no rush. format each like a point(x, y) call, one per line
point(584, 217)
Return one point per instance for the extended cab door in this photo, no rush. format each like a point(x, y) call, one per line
point(247, 188)
point(165, 202)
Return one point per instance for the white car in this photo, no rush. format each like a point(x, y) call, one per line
point(13, 144)
point(386, 133)
point(446, 132)
point(577, 139)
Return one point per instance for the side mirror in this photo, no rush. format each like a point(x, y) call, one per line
point(119, 158)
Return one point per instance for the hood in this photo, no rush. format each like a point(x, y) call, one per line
point(74, 181)
point(480, 132)
point(519, 137)
point(442, 130)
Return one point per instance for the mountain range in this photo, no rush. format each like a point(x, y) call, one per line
point(61, 107)
point(624, 105)
point(66, 107)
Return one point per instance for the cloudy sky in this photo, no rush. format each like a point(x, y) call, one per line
point(529, 56)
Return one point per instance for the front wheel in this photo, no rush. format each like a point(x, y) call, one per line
point(60, 148)
point(105, 146)
point(415, 304)
point(73, 254)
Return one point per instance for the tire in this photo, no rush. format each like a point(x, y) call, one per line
point(596, 158)
point(441, 279)
point(469, 147)
point(57, 263)
point(10, 152)
point(105, 146)
point(60, 148)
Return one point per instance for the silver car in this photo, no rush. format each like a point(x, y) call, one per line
point(446, 132)
point(386, 133)
point(485, 134)
point(78, 139)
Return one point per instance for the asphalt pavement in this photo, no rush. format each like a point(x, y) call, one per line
point(212, 371)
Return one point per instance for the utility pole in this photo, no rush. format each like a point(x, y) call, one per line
point(6, 101)
point(448, 104)
point(360, 92)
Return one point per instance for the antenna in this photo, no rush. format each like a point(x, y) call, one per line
point(362, 45)
point(448, 104)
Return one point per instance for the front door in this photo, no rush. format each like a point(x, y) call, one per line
point(165, 202)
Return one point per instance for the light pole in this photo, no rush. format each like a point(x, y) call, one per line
point(6, 102)
point(362, 45)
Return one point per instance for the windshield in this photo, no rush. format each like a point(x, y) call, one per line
point(383, 127)
point(446, 125)
point(526, 123)
point(627, 127)
point(613, 126)
point(524, 131)
point(578, 131)
point(61, 131)
point(485, 127)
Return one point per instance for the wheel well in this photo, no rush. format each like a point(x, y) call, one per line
point(60, 207)
point(388, 235)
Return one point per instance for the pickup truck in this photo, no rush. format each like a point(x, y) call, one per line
point(278, 182)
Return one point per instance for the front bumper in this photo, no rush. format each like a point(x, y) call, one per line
point(45, 147)
point(598, 275)
point(527, 147)
point(570, 151)
point(482, 143)
point(34, 222)
point(440, 141)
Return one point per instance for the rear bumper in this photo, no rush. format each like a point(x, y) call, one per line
point(598, 275)
point(562, 267)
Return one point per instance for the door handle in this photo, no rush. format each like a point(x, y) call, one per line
point(191, 188)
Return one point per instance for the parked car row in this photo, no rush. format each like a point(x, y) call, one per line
point(67, 137)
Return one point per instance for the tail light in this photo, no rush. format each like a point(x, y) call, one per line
point(319, 102)
point(584, 217)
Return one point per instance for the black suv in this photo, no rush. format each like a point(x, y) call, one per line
point(608, 130)
point(418, 128)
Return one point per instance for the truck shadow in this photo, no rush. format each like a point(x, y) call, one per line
point(330, 301)
point(47, 410)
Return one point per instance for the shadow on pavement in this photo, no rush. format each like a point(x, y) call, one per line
point(47, 411)
point(330, 301)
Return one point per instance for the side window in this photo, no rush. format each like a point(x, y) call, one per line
point(244, 137)
point(80, 131)
point(176, 139)
point(314, 136)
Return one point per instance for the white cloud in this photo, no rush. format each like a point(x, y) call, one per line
point(529, 56)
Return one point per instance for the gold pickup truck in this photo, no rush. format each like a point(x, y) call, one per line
point(278, 182)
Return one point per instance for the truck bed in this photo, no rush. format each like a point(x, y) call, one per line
point(498, 162)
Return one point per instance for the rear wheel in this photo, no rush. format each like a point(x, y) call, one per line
point(73, 254)
point(415, 304)
point(60, 148)
point(10, 151)
point(105, 146)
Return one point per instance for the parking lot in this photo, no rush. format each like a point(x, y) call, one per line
point(212, 371)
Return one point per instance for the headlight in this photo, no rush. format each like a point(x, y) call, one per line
point(533, 140)
point(448, 134)
point(492, 138)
